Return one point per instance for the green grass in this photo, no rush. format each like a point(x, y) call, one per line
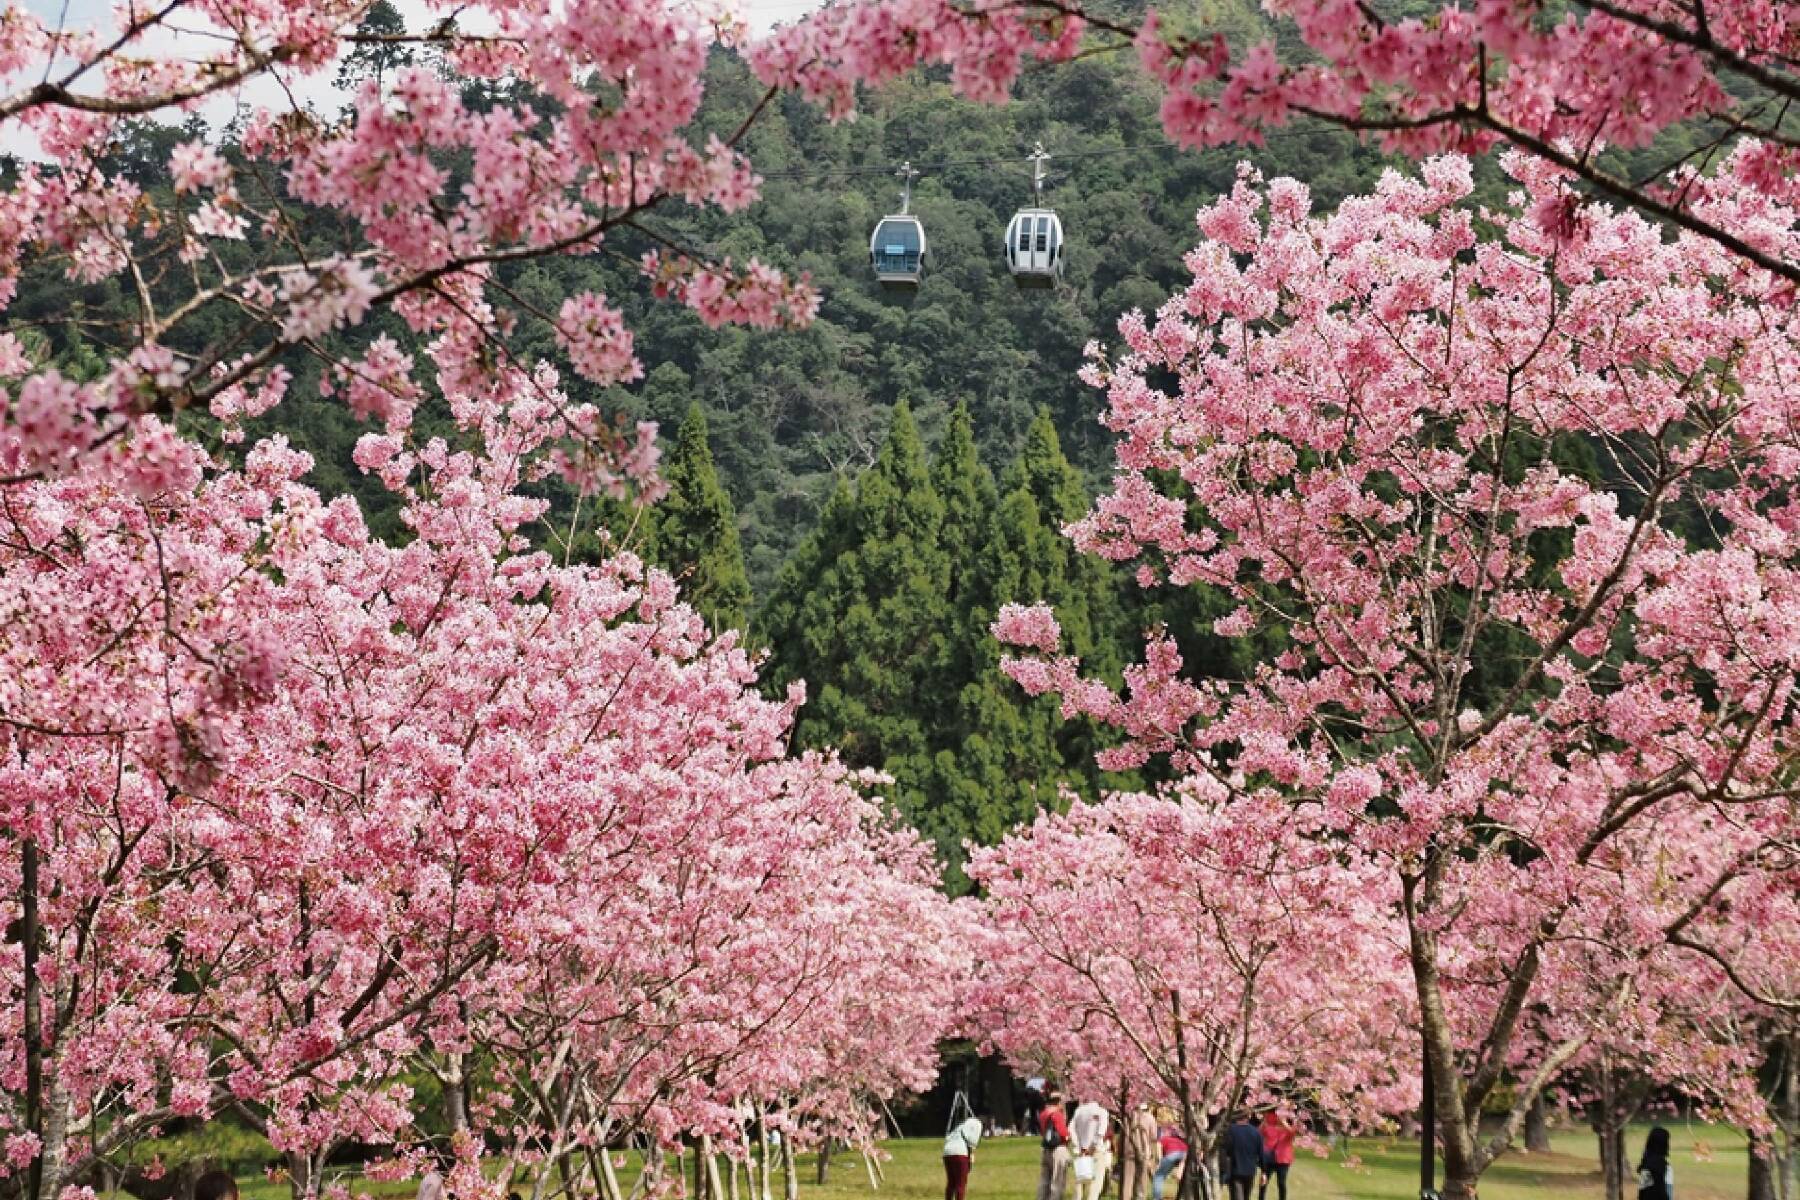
point(1710, 1164)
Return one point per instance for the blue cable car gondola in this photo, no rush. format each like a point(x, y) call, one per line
point(897, 248)
point(1034, 237)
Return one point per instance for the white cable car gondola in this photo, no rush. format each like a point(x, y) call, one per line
point(1034, 237)
point(897, 247)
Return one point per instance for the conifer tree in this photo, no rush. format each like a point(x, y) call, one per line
point(860, 613)
point(695, 533)
point(970, 500)
point(1090, 585)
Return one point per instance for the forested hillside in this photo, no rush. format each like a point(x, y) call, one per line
point(791, 414)
point(863, 494)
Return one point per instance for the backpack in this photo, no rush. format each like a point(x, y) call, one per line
point(1052, 1136)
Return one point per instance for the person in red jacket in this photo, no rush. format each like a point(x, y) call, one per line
point(1278, 1154)
point(1053, 1172)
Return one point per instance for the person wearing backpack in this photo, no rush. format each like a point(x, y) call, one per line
point(1243, 1153)
point(1053, 1171)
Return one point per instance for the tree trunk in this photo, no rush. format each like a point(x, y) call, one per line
point(790, 1174)
point(1617, 1103)
point(1787, 1153)
point(824, 1160)
point(304, 1169)
point(1761, 1184)
point(1456, 1130)
point(997, 1091)
point(762, 1132)
point(1125, 1158)
point(32, 1018)
point(608, 1178)
point(1537, 1127)
point(456, 1100)
point(714, 1189)
point(1192, 1179)
point(1611, 1140)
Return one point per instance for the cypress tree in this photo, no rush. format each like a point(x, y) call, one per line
point(970, 499)
point(860, 613)
point(694, 533)
point(1085, 590)
point(885, 612)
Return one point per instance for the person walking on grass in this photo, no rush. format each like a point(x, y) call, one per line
point(1053, 1169)
point(1243, 1154)
point(1088, 1129)
point(1656, 1179)
point(1277, 1155)
point(1174, 1149)
point(959, 1155)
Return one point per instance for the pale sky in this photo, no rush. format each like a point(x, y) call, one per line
point(763, 14)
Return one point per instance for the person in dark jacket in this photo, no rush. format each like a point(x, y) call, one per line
point(1243, 1155)
point(1656, 1180)
point(1034, 1106)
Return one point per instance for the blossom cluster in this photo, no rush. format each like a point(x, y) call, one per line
point(315, 814)
point(1515, 515)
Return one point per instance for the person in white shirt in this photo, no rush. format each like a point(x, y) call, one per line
point(1088, 1130)
point(959, 1152)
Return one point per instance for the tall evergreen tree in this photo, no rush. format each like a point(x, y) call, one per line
point(993, 758)
point(970, 499)
point(885, 612)
point(1093, 626)
point(694, 532)
point(860, 613)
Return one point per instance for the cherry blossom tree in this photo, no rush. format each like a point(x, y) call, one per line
point(1522, 506)
point(1561, 82)
point(301, 812)
point(286, 780)
point(134, 652)
point(1197, 954)
point(534, 130)
point(739, 979)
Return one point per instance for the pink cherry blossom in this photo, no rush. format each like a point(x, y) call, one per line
point(1546, 698)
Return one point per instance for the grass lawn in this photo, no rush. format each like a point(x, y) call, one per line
point(1709, 1165)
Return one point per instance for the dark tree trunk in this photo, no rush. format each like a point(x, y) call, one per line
point(996, 1083)
point(824, 1160)
point(1761, 1185)
point(1537, 1128)
point(32, 1019)
point(1615, 1167)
